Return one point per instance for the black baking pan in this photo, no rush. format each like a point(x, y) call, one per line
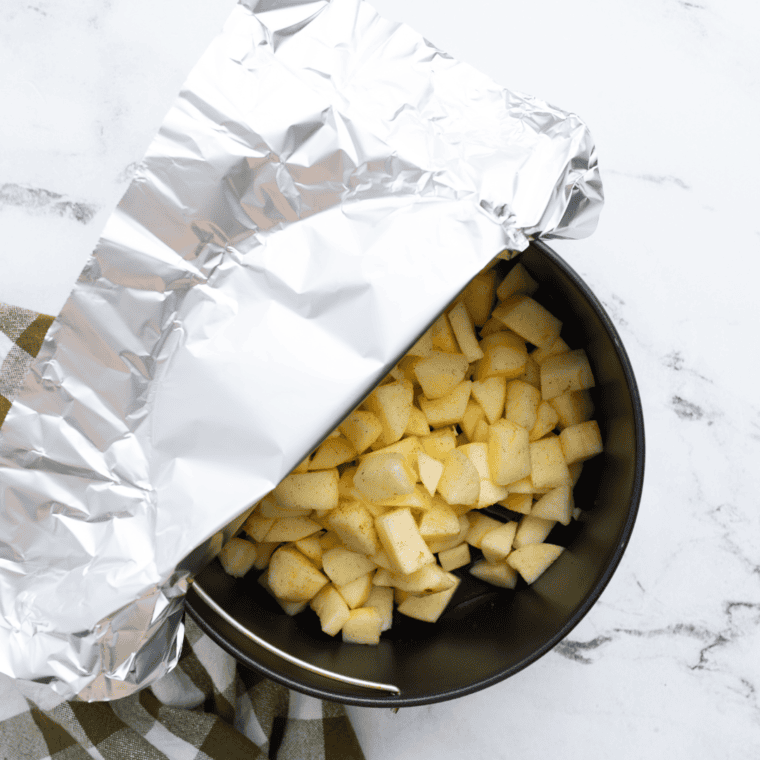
point(486, 634)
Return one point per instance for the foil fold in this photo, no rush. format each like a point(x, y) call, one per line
point(324, 185)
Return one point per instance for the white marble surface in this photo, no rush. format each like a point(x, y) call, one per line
point(667, 664)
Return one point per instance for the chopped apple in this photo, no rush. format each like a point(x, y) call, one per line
point(521, 314)
point(508, 452)
point(430, 471)
point(491, 394)
point(461, 324)
point(565, 372)
point(457, 556)
point(581, 442)
point(497, 574)
point(428, 608)
point(517, 280)
point(332, 610)
point(355, 525)
point(383, 476)
point(238, 556)
point(440, 372)
point(392, 404)
point(309, 490)
point(381, 598)
point(293, 577)
point(402, 541)
point(362, 429)
point(548, 468)
point(460, 480)
point(343, 566)
point(363, 627)
point(555, 505)
point(532, 561)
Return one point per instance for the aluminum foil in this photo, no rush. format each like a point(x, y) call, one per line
point(325, 183)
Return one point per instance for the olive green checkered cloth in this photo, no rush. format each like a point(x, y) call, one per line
point(208, 707)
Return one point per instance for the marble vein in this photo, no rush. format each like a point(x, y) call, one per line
point(37, 200)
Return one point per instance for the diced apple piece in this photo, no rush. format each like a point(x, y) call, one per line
point(490, 394)
point(329, 540)
point(572, 408)
point(293, 577)
point(477, 453)
point(355, 525)
point(430, 471)
point(423, 346)
point(343, 566)
point(362, 429)
point(575, 470)
point(238, 556)
point(442, 544)
point(263, 555)
point(363, 627)
point(429, 579)
point(407, 447)
point(439, 443)
point(522, 403)
point(428, 608)
point(356, 592)
point(546, 420)
point(381, 598)
point(381, 559)
point(555, 505)
point(530, 320)
point(480, 524)
point(392, 405)
point(532, 530)
point(518, 502)
point(419, 499)
point(440, 521)
point(479, 295)
point(417, 425)
point(257, 526)
point(457, 556)
point(508, 452)
point(460, 480)
point(332, 610)
point(291, 529)
point(581, 442)
point(461, 324)
point(490, 493)
point(270, 508)
point(481, 432)
point(497, 574)
point(309, 490)
point(402, 541)
point(517, 280)
point(440, 372)
point(565, 372)
point(497, 543)
point(472, 415)
point(548, 468)
point(531, 561)
point(383, 476)
point(443, 335)
point(449, 409)
point(532, 373)
point(558, 347)
point(312, 548)
point(504, 355)
point(289, 608)
point(331, 453)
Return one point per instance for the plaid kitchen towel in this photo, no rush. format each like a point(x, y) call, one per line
point(208, 708)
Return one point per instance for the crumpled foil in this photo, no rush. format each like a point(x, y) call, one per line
point(325, 184)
